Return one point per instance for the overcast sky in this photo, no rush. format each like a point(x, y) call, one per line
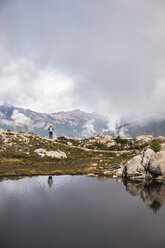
point(97, 55)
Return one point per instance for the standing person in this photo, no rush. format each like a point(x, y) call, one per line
point(50, 129)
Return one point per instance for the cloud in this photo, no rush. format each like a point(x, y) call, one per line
point(19, 117)
point(106, 56)
point(88, 129)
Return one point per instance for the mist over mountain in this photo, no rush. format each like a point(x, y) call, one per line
point(72, 123)
point(154, 127)
point(76, 123)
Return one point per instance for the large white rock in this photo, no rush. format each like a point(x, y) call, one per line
point(56, 154)
point(146, 157)
point(41, 152)
point(53, 154)
point(134, 168)
point(119, 172)
point(157, 164)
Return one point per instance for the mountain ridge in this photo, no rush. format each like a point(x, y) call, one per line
point(75, 123)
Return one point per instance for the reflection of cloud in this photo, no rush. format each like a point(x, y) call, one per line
point(27, 187)
point(19, 117)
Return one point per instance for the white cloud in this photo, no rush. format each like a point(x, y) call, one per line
point(19, 117)
point(88, 129)
point(106, 56)
point(23, 84)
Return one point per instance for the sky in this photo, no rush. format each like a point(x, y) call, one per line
point(106, 56)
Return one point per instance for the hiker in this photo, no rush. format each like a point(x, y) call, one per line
point(51, 129)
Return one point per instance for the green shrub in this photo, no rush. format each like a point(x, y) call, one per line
point(9, 133)
point(120, 140)
point(155, 145)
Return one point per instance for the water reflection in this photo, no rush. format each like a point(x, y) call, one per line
point(50, 181)
point(151, 192)
point(80, 212)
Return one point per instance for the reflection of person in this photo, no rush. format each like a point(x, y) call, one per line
point(50, 181)
point(50, 129)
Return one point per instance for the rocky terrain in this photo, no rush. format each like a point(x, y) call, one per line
point(149, 164)
point(23, 153)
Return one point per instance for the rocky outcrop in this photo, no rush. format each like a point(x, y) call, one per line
point(144, 139)
point(146, 165)
point(100, 139)
point(161, 139)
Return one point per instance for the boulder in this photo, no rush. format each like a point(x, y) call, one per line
point(69, 143)
point(53, 154)
point(144, 139)
point(41, 152)
point(119, 172)
point(161, 139)
point(147, 165)
point(56, 154)
point(134, 168)
point(157, 164)
point(146, 157)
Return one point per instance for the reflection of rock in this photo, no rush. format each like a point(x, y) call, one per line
point(149, 164)
point(134, 188)
point(151, 192)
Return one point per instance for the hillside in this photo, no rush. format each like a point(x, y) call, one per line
point(23, 153)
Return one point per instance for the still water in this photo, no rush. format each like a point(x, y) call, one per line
point(81, 212)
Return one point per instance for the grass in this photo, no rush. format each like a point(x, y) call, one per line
point(17, 156)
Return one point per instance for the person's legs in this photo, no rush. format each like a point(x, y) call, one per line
point(51, 135)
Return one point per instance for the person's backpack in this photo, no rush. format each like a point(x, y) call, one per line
point(51, 129)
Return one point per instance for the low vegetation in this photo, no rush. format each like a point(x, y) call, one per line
point(155, 145)
point(100, 155)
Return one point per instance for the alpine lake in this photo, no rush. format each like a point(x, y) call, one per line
point(81, 212)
